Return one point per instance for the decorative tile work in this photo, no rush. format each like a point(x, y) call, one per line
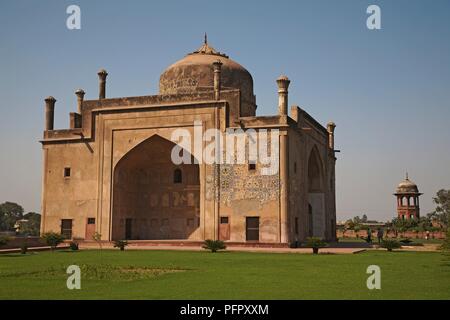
point(236, 183)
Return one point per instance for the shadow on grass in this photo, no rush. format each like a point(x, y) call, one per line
point(17, 255)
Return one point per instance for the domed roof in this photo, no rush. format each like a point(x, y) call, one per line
point(195, 73)
point(407, 186)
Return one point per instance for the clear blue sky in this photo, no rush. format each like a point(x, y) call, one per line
point(387, 90)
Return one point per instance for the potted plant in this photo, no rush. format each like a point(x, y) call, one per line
point(73, 245)
point(315, 243)
point(214, 245)
point(121, 244)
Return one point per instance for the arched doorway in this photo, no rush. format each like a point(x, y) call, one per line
point(154, 199)
point(316, 195)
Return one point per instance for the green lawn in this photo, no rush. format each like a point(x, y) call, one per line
point(226, 275)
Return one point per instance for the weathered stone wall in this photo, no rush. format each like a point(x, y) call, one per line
point(104, 186)
point(311, 172)
point(247, 193)
point(89, 192)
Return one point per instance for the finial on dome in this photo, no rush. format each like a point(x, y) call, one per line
point(206, 49)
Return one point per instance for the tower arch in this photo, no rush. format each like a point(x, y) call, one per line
point(316, 194)
point(148, 203)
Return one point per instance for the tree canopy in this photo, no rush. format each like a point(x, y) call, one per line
point(11, 212)
point(442, 212)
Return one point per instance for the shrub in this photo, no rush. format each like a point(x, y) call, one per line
point(415, 244)
point(315, 243)
point(73, 245)
point(390, 244)
point(446, 245)
point(121, 244)
point(405, 241)
point(214, 245)
point(24, 247)
point(367, 239)
point(4, 241)
point(52, 239)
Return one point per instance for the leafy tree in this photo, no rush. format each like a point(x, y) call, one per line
point(10, 212)
point(357, 220)
point(424, 224)
point(350, 224)
point(442, 212)
point(32, 227)
point(364, 218)
point(52, 239)
point(97, 237)
point(357, 228)
point(446, 245)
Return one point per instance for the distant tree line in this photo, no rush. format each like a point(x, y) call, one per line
point(11, 213)
point(438, 220)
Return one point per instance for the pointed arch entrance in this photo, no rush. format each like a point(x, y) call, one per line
point(316, 195)
point(154, 199)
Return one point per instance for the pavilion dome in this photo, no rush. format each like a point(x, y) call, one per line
point(407, 186)
point(194, 73)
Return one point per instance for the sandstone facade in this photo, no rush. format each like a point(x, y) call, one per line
point(111, 172)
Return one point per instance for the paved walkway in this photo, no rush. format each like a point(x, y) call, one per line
point(427, 247)
point(330, 250)
point(229, 248)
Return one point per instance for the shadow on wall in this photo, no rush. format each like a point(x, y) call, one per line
point(154, 199)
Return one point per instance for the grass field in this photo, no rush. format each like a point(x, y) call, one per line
point(137, 274)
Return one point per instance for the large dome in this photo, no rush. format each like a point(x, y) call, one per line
point(407, 186)
point(195, 73)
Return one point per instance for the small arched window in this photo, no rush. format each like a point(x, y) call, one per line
point(177, 176)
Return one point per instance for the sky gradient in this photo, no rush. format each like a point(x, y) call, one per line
point(387, 90)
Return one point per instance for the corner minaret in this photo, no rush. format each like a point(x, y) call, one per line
point(331, 126)
point(283, 85)
point(102, 74)
point(49, 112)
point(217, 65)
